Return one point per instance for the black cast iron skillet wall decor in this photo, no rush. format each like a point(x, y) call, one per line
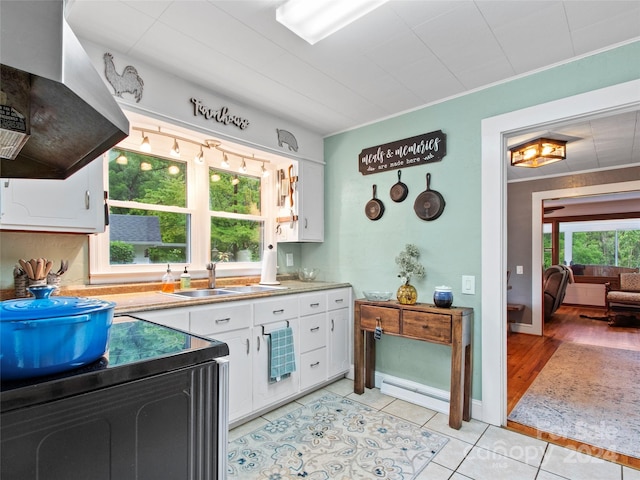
point(429, 205)
point(374, 208)
point(399, 190)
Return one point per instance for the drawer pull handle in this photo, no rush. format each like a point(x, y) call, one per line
point(278, 312)
point(314, 305)
point(314, 364)
point(425, 326)
point(223, 320)
point(339, 300)
point(247, 346)
point(333, 325)
point(314, 329)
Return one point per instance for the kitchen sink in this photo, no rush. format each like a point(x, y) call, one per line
point(205, 292)
point(251, 288)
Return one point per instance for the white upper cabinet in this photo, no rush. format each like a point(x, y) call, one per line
point(307, 208)
point(74, 205)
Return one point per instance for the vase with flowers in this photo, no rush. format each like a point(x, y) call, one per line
point(410, 267)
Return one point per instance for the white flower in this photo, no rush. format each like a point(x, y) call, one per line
point(407, 260)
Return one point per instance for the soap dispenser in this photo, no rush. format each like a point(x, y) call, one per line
point(185, 279)
point(168, 285)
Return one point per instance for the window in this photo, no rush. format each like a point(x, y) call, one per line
point(183, 211)
point(603, 243)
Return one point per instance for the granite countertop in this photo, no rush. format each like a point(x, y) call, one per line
point(155, 300)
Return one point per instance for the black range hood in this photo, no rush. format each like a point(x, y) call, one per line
point(56, 113)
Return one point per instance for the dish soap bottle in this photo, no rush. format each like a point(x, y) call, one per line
point(168, 285)
point(185, 279)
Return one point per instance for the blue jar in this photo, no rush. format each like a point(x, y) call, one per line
point(443, 296)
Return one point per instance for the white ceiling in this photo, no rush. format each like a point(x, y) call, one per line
point(405, 54)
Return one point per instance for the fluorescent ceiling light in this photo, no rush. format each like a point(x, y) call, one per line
point(314, 20)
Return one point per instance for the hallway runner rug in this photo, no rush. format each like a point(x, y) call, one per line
point(334, 438)
point(587, 393)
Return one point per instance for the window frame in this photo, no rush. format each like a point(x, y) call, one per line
point(101, 271)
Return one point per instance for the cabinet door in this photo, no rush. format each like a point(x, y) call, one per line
point(240, 371)
point(338, 342)
point(72, 205)
point(264, 392)
point(311, 185)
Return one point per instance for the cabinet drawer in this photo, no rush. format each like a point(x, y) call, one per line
point(340, 298)
point(212, 320)
point(312, 303)
point(428, 326)
point(277, 310)
point(313, 332)
point(313, 368)
point(388, 318)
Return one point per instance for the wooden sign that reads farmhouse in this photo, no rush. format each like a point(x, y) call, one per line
point(425, 148)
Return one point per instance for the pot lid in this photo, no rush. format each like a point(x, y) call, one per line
point(43, 308)
point(443, 288)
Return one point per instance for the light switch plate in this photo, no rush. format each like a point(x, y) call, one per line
point(289, 259)
point(519, 270)
point(469, 284)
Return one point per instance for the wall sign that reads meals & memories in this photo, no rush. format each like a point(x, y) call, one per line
point(426, 148)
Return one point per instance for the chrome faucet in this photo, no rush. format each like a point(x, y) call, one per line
point(211, 268)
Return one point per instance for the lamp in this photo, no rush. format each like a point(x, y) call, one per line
point(122, 159)
point(199, 158)
point(314, 20)
point(145, 146)
point(175, 149)
point(537, 153)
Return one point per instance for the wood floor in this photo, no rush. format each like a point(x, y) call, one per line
point(528, 354)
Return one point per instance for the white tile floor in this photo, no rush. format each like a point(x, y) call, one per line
point(477, 451)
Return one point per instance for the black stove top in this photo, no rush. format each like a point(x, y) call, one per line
point(136, 349)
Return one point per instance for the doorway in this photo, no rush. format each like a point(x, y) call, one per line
point(622, 97)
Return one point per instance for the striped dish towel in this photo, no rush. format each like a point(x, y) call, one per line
point(282, 360)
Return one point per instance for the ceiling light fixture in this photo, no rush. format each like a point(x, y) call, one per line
point(175, 149)
point(265, 172)
point(122, 159)
point(145, 146)
point(215, 177)
point(145, 166)
point(235, 180)
point(243, 166)
point(173, 170)
point(225, 161)
point(313, 20)
point(539, 152)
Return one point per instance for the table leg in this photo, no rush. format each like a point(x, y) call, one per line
point(370, 360)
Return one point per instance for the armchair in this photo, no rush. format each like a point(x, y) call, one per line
point(627, 299)
point(555, 281)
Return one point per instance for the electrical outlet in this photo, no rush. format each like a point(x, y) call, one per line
point(289, 259)
point(469, 284)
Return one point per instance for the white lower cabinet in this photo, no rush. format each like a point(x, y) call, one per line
point(321, 324)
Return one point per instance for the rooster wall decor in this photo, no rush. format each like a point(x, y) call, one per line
point(128, 82)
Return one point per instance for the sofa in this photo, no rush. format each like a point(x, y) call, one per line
point(627, 298)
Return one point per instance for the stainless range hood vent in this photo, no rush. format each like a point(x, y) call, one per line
point(56, 113)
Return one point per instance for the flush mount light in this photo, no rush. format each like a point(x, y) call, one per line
point(145, 166)
point(243, 166)
point(314, 20)
point(173, 170)
point(539, 152)
point(199, 158)
point(215, 177)
point(145, 146)
point(175, 149)
point(122, 159)
point(225, 161)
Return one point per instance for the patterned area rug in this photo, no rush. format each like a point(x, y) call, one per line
point(587, 393)
point(334, 438)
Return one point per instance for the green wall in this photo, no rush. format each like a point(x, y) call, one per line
point(362, 252)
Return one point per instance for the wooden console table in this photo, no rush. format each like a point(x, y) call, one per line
point(446, 326)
